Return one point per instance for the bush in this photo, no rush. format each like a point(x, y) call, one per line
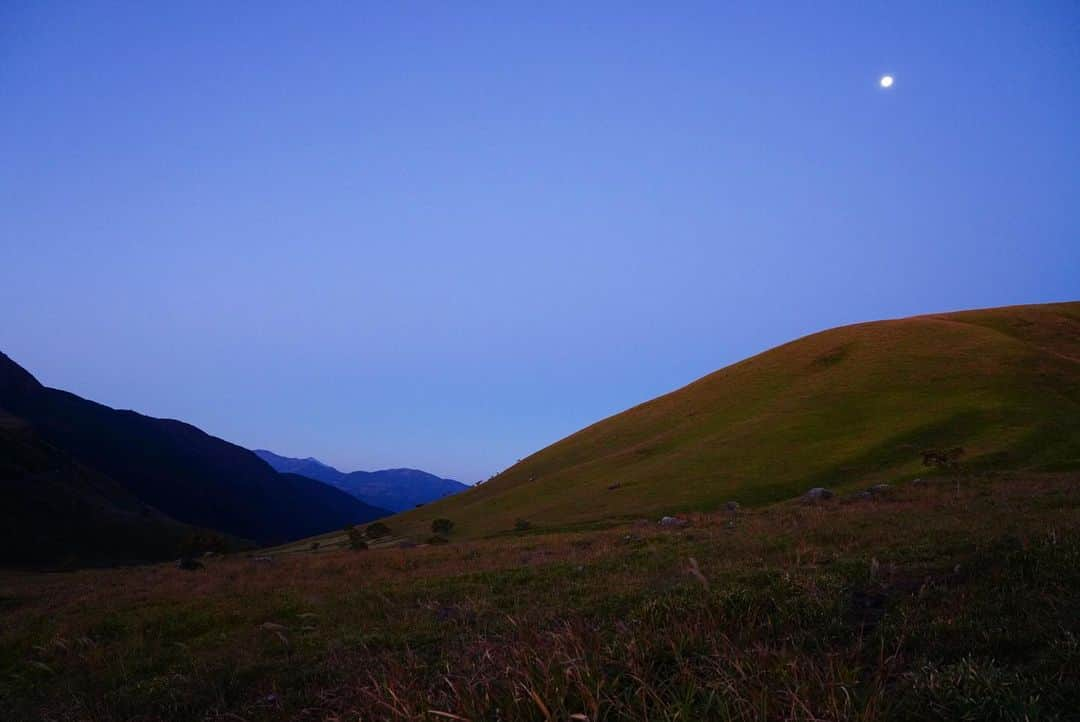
point(437, 540)
point(442, 526)
point(356, 539)
point(377, 530)
point(522, 525)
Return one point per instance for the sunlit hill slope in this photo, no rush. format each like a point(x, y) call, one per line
point(841, 408)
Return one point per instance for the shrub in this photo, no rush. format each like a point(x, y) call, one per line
point(437, 540)
point(943, 458)
point(522, 525)
point(377, 530)
point(356, 539)
point(442, 526)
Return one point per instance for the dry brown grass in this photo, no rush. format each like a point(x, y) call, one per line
point(792, 612)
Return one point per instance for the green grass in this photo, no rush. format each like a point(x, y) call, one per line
point(930, 603)
point(843, 408)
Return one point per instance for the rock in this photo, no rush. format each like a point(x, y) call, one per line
point(188, 564)
point(614, 486)
point(818, 493)
point(918, 482)
point(673, 521)
point(732, 506)
point(863, 495)
point(880, 489)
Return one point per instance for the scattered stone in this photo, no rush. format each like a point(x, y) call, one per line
point(188, 564)
point(863, 495)
point(818, 493)
point(615, 486)
point(263, 560)
point(732, 506)
point(880, 489)
point(673, 521)
point(918, 482)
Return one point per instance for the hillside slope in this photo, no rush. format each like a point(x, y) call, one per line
point(393, 489)
point(54, 511)
point(176, 468)
point(844, 407)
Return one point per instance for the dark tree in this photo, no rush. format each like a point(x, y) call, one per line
point(943, 458)
point(377, 530)
point(442, 526)
point(356, 539)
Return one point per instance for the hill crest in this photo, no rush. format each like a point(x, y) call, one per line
point(842, 407)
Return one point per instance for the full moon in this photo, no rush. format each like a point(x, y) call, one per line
point(886, 81)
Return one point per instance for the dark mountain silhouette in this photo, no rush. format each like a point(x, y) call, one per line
point(56, 512)
point(169, 466)
point(394, 489)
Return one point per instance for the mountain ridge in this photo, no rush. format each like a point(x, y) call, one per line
point(396, 489)
point(169, 466)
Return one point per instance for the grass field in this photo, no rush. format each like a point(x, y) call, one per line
point(841, 408)
point(953, 599)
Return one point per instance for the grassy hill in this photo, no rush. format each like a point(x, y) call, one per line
point(842, 408)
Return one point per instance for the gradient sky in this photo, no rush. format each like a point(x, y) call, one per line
point(444, 235)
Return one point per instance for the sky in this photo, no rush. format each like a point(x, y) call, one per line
point(445, 235)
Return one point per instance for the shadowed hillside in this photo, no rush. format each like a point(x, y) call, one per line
point(55, 511)
point(844, 407)
point(58, 446)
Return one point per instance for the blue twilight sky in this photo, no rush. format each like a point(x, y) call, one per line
point(445, 235)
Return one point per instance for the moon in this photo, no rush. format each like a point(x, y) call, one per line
point(886, 81)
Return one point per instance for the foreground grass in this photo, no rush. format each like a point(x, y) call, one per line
point(928, 602)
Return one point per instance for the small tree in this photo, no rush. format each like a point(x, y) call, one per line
point(946, 459)
point(356, 539)
point(943, 458)
point(442, 527)
point(377, 530)
point(522, 525)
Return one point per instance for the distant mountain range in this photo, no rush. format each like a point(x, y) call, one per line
point(393, 489)
point(80, 481)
